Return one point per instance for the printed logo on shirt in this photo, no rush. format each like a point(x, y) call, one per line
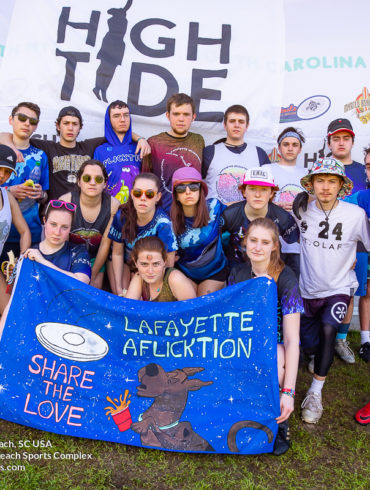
point(338, 311)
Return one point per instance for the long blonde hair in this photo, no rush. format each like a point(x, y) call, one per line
point(276, 264)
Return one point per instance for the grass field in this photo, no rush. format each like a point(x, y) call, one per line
point(333, 454)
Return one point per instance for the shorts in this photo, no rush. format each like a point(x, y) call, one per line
point(92, 262)
point(362, 273)
point(220, 276)
point(318, 311)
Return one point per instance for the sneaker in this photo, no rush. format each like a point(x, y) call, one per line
point(311, 364)
point(312, 408)
point(344, 351)
point(363, 415)
point(282, 441)
point(364, 352)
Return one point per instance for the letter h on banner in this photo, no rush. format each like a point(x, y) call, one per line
point(73, 57)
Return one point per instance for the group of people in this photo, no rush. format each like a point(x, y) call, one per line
point(168, 219)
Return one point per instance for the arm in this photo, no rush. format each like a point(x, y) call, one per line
point(117, 263)
point(291, 347)
point(181, 286)
point(142, 145)
point(171, 259)
point(20, 224)
point(7, 139)
point(135, 288)
point(34, 254)
point(101, 257)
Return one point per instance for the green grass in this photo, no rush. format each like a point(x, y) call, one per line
point(332, 454)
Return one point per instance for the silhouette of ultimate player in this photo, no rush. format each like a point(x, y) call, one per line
point(111, 51)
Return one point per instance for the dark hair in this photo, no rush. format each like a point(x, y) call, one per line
point(366, 153)
point(98, 163)
point(302, 139)
point(117, 103)
point(177, 213)
point(66, 112)
point(150, 244)
point(30, 105)
point(276, 265)
point(180, 99)
point(128, 211)
point(238, 109)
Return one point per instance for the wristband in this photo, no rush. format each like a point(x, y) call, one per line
point(140, 138)
point(289, 392)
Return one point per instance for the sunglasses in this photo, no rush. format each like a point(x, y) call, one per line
point(99, 179)
point(23, 118)
point(56, 204)
point(148, 193)
point(193, 187)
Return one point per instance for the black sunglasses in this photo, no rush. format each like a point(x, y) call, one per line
point(99, 179)
point(23, 118)
point(139, 192)
point(193, 187)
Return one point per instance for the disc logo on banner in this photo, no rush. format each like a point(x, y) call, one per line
point(310, 108)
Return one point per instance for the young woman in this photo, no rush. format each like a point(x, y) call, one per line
point(95, 209)
point(55, 250)
point(153, 281)
point(196, 223)
point(137, 218)
point(262, 249)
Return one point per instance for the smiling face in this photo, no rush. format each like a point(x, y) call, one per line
point(180, 118)
point(69, 128)
point(150, 266)
point(260, 245)
point(144, 204)
point(257, 196)
point(341, 144)
point(92, 188)
point(326, 187)
point(23, 130)
point(57, 227)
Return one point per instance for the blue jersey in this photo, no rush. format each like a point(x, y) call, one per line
point(357, 173)
point(159, 226)
point(71, 258)
point(35, 163)
point(200, 249)
point(362, 199)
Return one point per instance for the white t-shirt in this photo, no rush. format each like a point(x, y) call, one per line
point(328, 249)
point(5, 218)
point(288, 178)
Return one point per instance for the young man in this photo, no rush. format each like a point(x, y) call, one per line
point(341, 140)
point(258, 188)
point(9, 213)
point(118, 154)
point(330, 229)
point(67, 156)
point(225, 162)
point(175, 148)
point(32, 170)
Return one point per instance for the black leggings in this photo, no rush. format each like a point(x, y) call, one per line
point(325, 351)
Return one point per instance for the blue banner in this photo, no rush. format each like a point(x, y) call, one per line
point(196, 376)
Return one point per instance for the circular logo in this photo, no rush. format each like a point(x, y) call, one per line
point(313, 107)
point(338, 311)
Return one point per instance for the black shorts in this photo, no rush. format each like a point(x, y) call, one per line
point(220, 276)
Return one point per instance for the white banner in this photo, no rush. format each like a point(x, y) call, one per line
point(6, 8)
point(140, 51)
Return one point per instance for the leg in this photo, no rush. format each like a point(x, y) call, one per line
point(110, 274)
point(4, 297)
point(209, 286)
point(364, 312)
point(281, 363)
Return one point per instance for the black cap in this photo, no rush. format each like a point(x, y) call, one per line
point(8, 159)
point(70, 111)
point(340, 125)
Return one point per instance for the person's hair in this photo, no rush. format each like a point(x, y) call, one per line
point(178, 217)
point(238, 109)
point(147, 244)
point(30, 105)
point(128, 211)
point(180, 99)
point(302, 139)
point(59, 118)
point(241, 188)
point(98, 163)
point(117, 104)
point(49, 209)
point(276, 265)
point(366, 152)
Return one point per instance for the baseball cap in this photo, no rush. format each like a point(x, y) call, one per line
point(70, 111)
point(8, 158)
point(340, 125)
point(259, 176)
point(188, 174)
point(328, 166)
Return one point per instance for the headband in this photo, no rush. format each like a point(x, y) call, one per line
point(290, 134)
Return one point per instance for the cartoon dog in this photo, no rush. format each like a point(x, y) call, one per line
point(160, 425)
